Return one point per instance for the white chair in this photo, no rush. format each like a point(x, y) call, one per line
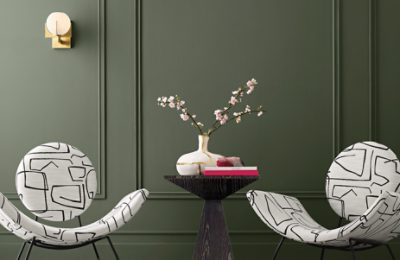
point(362, 187)
point(57, 182)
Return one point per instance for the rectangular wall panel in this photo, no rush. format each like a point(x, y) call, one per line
point(50, 95)
point(202, 50)
point(387, 73)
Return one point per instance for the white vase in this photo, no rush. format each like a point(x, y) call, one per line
point(193, 163)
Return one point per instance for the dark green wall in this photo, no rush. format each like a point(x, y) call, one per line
point(327, 72)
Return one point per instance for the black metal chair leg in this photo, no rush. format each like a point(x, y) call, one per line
point(353, 253)
point(113, 248)
point(95, 251)
point(21, 250)
point(322, 253)
point(30, 249)
point(93, 244)
point(390, 252)
point(278, 248)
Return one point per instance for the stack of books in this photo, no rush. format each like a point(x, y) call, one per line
point(230, 171)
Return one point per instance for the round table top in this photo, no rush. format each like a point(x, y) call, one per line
point(211, 187)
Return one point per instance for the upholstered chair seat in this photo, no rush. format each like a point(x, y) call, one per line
point(26, 228)
point(286, 216)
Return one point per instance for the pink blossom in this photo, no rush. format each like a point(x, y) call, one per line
point(251, 84)
point(171, 104)
point(238, 119)
point(218, 114)
point(224, 119)
point(180, 104)
point(247, 109)
point(185, 117)
point(218, 111)
point(233, 101)
point(250, 90)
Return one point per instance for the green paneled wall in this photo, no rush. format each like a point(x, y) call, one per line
point(328, 77)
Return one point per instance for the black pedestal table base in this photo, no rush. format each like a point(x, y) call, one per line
point(213, 241)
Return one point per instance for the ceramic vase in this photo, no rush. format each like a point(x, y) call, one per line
point(193, 163)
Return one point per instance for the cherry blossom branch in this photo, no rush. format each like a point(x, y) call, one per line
point(176, 102)
point(232, 102)
point(222, 116)
point(196, 124)
point(238, 117)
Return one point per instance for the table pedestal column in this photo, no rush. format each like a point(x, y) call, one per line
point(213, 239)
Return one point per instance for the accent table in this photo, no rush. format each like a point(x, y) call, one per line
point(213, 241)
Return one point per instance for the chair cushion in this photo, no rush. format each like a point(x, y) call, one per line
point(56, 181)
point(359, 175)
point(286, 216)
point(26, 228)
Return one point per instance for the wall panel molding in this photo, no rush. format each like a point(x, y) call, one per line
point(372, 41)
point(336, 77)
point(138, 91)
point(101, 171)
point(336, 110)
point(102, 194)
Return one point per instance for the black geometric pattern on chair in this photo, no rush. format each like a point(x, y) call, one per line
point(361, 186)
point(358, 175)
point(26, 228)
point(58, 182)
point(286, 216)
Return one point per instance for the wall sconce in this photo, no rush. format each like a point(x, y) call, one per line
point(58, 27)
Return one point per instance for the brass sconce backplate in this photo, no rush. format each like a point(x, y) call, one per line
point(59, 42)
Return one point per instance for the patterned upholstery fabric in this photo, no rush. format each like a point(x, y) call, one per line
point(57, 182)
point(26, 228)
point(357, 177)
point(362, 186)
point(286, 216)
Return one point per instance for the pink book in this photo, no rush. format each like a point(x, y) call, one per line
point(230, 171)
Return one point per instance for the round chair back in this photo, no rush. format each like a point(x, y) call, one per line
point(56, 181)
point(358, 175)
